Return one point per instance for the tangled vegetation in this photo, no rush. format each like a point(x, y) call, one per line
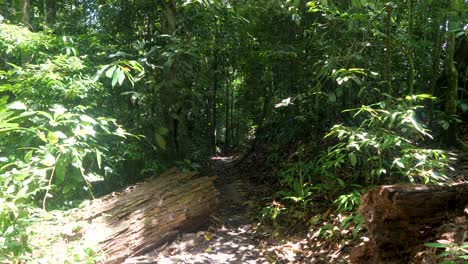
point(339, 96)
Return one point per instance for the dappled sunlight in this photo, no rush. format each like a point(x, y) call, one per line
point(223, 158)
point(223, 245)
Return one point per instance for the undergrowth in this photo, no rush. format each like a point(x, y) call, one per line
point(385, 143)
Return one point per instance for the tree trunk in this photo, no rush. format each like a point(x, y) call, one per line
point(452, 76)
point(50, 13)
point(388, 50)
point(214, 101)
point(410, 50)
point(400, 217)
point(168, 94)
point(228, 127)
point(436, 56)
point(25, 19)
point(149, 214)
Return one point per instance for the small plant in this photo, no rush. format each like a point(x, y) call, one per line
point(387, 143)
point(454, 253)
point(347, 204)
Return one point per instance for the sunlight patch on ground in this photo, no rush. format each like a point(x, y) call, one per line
point(224, 158)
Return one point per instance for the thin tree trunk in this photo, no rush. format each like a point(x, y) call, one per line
point(214, 92)
point(435, 71)
point(410, 51)
point(227, 116)
point(25, 19)
point(452, 75)
point(388, 50)
point(50, 13)
point(230, 116)
point(169, 91)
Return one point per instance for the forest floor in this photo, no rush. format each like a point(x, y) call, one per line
point(232, 234)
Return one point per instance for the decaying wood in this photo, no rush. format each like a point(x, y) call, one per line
point(149, 214)
point(400, 217)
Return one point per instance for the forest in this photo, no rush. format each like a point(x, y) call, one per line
point(233, 131)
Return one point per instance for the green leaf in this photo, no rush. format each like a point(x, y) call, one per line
point(445, 125)
point(87, 119)
point(118, 77)
point(436, 245)
point(17, 106)
point(60, 134)
point(162, 131)
point(98, 158)
point(92, 177)
point(121, 76)
point(110, 71)
point(49, 116)
point(11, 189)
point(341, 182)
point(28, 156)
point(41, 135)
point(352, 159)
point(161, 142)
point(399, 163)
point(48, 160)
point(52, 137)
point(67, 188)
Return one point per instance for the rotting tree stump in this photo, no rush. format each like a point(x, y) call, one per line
point(149, 214)
point(400, 217)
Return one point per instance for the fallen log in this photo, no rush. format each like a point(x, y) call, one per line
point(147, 215)
point(400, 217)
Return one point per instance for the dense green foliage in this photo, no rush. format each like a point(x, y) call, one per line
point(340, 95)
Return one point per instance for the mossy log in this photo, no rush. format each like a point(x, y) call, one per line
point(148, 214)
point(400, 217)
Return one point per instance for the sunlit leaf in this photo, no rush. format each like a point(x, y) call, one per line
point(41, 135)
point(110, 71)
point(52, 137)
point(88, 119)
point(92, 177)
point(98, 158)
point(17, 106)
point(121, 76)
point(48, 160)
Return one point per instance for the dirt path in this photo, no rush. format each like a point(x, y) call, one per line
point(228, 238)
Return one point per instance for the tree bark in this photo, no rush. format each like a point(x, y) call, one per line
point(214, 102)
point(388, 50)
point(437, 46)
point(410, 50)
point(168, 94)
point(435, 71)
point(25, 19)
point(228, 127)
point(400, 217)
point(148, 214)
point(50, 13)
point(452, 76)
